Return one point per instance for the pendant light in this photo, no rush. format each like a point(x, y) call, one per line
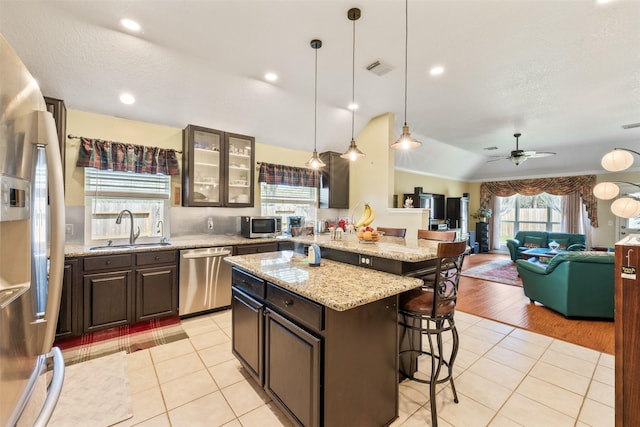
point(353, 153)
point(406, 141)
point(315, 162)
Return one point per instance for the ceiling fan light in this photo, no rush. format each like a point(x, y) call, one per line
point(606, 190)
point(625, 207)
point(314, 162)
point(617, 160)
point(406, 141)
point(352, 153)
point(516, 160)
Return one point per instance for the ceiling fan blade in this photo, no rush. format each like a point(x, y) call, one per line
point(496, 158)
point(542, 154)
point(529, 153)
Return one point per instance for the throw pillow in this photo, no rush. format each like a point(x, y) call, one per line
point(562, 243)
point(532, 242)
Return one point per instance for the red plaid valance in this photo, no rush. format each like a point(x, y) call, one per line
point(118, 156)
point(288, 175)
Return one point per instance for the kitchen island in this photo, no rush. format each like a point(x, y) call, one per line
point(322, 341)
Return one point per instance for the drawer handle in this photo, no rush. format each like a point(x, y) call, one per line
point(288, 302)
point(157, 258)
point(108, 262)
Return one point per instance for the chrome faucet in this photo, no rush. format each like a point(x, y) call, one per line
point(132, 236)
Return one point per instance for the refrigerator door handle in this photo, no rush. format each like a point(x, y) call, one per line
point(55, 388)
point(47, 136)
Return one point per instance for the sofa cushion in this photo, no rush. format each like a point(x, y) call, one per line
point(562, 242)
point(581, 256)
point(532, 242)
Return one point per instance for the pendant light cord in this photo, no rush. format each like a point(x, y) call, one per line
point(406, 54)
point(315, 105)
point(353, 79)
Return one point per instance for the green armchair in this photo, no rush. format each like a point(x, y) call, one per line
point(576, 284)
point(525, 240)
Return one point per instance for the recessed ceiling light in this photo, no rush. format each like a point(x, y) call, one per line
point(130, 24)
point(127, 98)
point(603, 1)
point(271, 77)
point(437, 70)
point(353, 106)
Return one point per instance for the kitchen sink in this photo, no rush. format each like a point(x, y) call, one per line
point(127, 246)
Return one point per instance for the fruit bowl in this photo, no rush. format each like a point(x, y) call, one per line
point(369, 236)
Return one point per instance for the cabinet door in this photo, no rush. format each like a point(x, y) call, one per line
point(334, 181)
point(156, 292)
point(239, 170)
point(202, 166)
point(108, 300)
point(247, 333)
point(292, 369)
point(68, 314)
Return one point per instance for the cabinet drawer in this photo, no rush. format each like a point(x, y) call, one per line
point(296, 307)
point(107, 262)
point(156, 257)
point(257, 248)
point(248, 283)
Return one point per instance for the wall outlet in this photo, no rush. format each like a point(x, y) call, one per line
point(68, 230)
point(210, 223)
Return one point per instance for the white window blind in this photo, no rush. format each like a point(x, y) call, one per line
point(287, 194)
point(107, 183)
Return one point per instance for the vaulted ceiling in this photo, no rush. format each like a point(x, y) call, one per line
point(566, 74)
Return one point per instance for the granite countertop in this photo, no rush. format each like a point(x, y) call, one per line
point(186, 242)
point(396, 248)
point(333, 284)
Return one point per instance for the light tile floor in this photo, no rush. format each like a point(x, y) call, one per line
point(504, 376)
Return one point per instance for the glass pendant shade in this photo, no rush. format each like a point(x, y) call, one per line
point(406, 141)
point(314, 162)
point(352, 153)
point(626, 207)
point(617, 160)
point(606, 190)
point(517, 160)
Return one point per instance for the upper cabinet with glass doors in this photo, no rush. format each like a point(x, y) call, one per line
point(217, 168)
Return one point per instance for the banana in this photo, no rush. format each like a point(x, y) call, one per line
point(372, 216)
point(365, 216)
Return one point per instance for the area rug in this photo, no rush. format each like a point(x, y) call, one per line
point(128, 338)
point(501, 271)
point(95, 394)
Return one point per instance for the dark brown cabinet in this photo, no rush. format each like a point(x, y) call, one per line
point(255, 248)
point(59, 111)
point(156, 285)
point(247, 333)
point(217, 168)
point(334, 181)
point(286, 246)
point(108, 300)
point(292, 368)
point(68, 315)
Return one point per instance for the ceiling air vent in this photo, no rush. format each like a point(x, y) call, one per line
point(379, 68)
point(631, 126)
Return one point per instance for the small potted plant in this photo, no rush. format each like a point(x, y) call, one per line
point(482, 214)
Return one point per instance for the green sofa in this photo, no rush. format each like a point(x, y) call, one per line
point(525, 240)
point(576, 284)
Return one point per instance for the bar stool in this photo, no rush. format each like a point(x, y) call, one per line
point(439, 235)
point(429, 312)
point(393, 232)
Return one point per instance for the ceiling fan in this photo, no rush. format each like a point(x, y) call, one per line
point(518, 156)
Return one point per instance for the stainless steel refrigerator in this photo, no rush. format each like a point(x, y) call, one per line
point(31, 248)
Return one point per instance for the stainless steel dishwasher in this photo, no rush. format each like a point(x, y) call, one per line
point(205, 280)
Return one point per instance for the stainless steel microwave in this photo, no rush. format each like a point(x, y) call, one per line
point(260, 226)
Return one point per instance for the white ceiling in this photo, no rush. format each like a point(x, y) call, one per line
point(564, 73)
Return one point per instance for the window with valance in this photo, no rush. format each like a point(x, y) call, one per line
point(559, 186)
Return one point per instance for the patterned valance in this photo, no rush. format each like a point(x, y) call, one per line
point(583, 185)
point(271, 173)
point(118, 156)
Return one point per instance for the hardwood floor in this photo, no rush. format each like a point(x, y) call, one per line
point(507, 304)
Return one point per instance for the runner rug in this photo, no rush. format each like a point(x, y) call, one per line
point(128, 338)
point(500, 270)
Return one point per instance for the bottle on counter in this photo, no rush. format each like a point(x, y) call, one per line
point(314, 255)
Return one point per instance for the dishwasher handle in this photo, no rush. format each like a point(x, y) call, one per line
point(206, 255)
